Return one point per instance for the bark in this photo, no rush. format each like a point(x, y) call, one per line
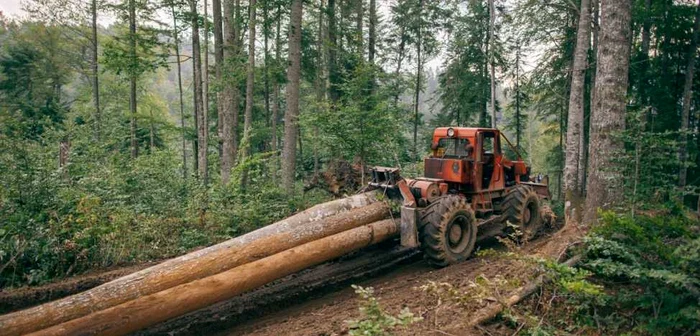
point(572, 190)
point(266, 55)
point(399, 63)
point(320, 81)
point(149, 310)
point(517, 97)
point(334, 90)
point(205, 71)
point(292, 113)
point(312, 224)
point(492, 61)
point(585, 134)
point(359, 8)
point(229, 94)
point(202, 129)
point(95, 71)
point(250, 86)
point(151, 132)
point(276, 96)
point(687, 95)
point(218, 64)
point(419, 47)
point(372, 40)
point(176, 38)
point(608, 113)
point(132, 78)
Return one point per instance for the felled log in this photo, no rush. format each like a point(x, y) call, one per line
point(315, 223)
point(148, 310)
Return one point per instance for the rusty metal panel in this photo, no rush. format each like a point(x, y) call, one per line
point(409, 227)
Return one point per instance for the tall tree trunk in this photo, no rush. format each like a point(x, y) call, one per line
point(205, 69)
point(687, 95)
point(132, 78)
point(202, 125)
point(359, 9)
point(334, 90)
point(276, 95)
point(176, 37)
point(95, 71)
point(292, 113)
point(419, 47)
point(218, 64)
point(250, 86)
point(517, 95)
point(608, 114)
point(266, 55)
point(320, 81)
point(152, 132)
point(229, 94)
point(372, 41)
point(585, 133)
point(492, 61)
point(399, 63)
point(572, 191)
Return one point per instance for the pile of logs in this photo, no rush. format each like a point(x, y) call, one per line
point(214, 274)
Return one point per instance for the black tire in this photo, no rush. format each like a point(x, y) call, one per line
point(521, 207)
point(449, 230)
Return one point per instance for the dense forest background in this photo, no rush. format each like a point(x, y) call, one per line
point(137, 130)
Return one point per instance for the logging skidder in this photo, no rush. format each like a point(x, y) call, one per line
point(471, 190)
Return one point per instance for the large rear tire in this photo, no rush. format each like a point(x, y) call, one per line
point(448, 235)
point(521, 207)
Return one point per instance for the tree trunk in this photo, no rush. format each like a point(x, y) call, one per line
point(608, 114)
point(266, 55)
point(276, 95)
point(202, 126)
point(333, 89)
point(585, 133)
point(492, 61)
point(250, 86)
point(360, 11)
point(229, 94)
point(517, 96)
point(419, 47)
point(179, 87)
point(148, 310)
point(132, 78)
point(218, 64)
point(312, 224)
point(320, 82)
point(572, 193)
point(292, 113)
point(399, 63)
point(205, 69)
point(152, 132)
point(687, 95)
point(95, 71)
point(372, 41)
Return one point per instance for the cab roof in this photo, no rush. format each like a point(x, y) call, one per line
point(462, 132)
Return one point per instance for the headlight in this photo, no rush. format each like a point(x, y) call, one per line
point(450, 132)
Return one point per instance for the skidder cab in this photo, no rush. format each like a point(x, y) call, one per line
point(471, 191)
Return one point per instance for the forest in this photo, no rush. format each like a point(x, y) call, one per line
point(133, 131)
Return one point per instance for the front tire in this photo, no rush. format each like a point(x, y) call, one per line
point(449, 232)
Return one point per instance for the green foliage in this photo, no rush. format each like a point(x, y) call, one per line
point(375, 321)
point(644, 265)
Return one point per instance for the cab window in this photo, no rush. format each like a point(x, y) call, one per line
point(454, 147)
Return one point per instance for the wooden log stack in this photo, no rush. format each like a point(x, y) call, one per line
point(213, 274)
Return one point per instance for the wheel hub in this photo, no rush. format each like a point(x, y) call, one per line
point(527, 215)
point(455, 234)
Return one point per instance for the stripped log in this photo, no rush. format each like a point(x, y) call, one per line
point(148, 310)
point(315, 223)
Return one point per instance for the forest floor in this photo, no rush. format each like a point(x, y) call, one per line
point(320, 301)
